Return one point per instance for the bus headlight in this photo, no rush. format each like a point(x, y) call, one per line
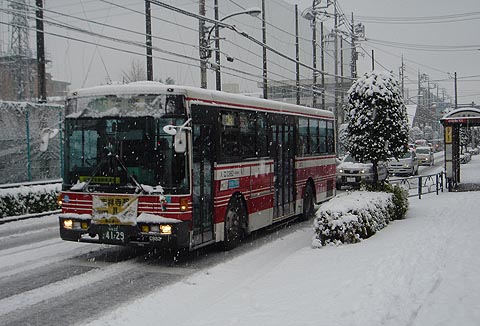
point(68, 224)
point(166, 229)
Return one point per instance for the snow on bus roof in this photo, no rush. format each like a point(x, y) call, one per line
point(201, 95)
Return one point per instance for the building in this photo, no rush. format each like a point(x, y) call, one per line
point(19, 80)
point(286, 91)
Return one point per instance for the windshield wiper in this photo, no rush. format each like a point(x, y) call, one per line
point(129, 175)
point(85, 186)
point(92, 176)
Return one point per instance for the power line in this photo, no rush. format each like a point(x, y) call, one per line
point(421, 19)
point(425, 47)
point(66, 26)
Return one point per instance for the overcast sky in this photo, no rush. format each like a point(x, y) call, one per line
point(448, 33)
point(459, 31)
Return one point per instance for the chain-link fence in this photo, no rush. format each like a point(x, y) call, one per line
point(21, 125)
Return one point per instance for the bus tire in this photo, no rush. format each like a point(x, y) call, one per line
point(233, 225)
point(308, 203)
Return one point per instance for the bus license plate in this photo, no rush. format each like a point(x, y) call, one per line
point(112, 233)
point(351, 179)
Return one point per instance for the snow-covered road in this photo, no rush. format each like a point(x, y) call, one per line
point(47, 281)
point(423, 270)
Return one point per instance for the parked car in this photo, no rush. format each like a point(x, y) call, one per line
point(465, 158)
point(406, 165)
point(425, 155)
point(353, 173)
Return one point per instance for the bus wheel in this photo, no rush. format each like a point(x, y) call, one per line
point(233, 232)
point(308, 204)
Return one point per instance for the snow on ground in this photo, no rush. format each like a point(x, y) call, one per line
point(424, 270)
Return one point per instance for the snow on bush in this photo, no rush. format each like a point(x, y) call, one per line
point(357, 215)
point(28, 199)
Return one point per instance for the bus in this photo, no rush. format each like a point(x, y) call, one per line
point(166, 166)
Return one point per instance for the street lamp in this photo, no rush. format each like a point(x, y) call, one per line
point(254, 11)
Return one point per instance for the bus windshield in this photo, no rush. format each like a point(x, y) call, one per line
point(122, 153)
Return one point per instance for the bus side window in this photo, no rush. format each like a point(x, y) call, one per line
point(247, 134)
point(330, 137)
point(323, 137)
point(229, 136)
point(303, 136)
point(313, 136)
point(261, 131)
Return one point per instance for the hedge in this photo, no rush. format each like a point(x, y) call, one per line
point(28, 200)
point(353, 216)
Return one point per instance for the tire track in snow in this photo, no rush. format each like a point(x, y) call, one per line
point(24, 300)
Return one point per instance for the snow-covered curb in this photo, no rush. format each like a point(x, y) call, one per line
point(29, 199)
point(353, 216)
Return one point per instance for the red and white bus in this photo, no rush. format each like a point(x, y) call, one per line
point(159, 165)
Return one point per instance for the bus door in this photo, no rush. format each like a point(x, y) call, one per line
point(202, 183)
point(283, 155)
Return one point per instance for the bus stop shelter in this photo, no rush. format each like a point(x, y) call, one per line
point(452, 123)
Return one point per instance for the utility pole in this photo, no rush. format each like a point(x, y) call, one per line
point(335, 109)
point(428, 100)
point(218, 77)
point(148, 36)
point(314, 58)
point(419, 89)
point(373, 60)
point(322, 63)
point(354, 52)
point(42, 90)
point(264, 40)
point(402, 77)
point(456, 98)
point(297, 56)
point(340, 118)
point(203, 47)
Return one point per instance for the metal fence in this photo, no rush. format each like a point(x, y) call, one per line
point(422, 184)
point(21, 159)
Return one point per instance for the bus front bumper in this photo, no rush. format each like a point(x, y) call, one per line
point(143, 235)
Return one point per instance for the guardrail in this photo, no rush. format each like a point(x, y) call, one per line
point(422, 184)
point(30, 183)
point(27, 216)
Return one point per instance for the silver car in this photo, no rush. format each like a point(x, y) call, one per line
point(352, 173)
point(406, 165)
point(425, 155)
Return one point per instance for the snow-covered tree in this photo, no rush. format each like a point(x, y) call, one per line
point(168, 81)
point(135, 73)
point(428, 132)
point(377, 119)
point(416, 133)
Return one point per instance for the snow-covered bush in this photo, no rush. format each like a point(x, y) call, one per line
point(357, 215)
point(25, 200)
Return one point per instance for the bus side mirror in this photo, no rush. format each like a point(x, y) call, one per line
point(171, 130)
point(180, 142)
